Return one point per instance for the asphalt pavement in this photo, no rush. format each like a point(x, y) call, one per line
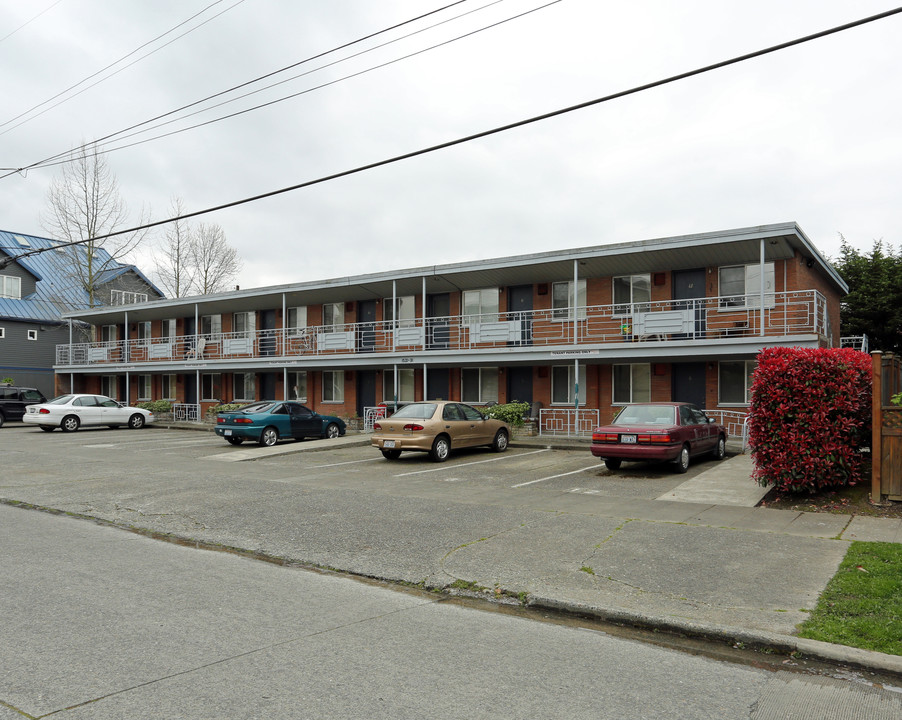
point(700, 560)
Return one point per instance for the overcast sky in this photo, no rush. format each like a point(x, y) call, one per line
point(810, 134)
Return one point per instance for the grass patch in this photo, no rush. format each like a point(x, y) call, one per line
point(862, 605)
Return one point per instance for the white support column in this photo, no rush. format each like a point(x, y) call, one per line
point(761, 288)
point(125, 357)
point(576, 396)
point(425, 384)
point(575, 299)
point(425, 322)
point(394, 313)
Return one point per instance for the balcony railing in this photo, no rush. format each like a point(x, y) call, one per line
point(670, 321)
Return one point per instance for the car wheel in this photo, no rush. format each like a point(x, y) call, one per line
point(269, 436)
point(683, 459)
point(332, 431)
point(612, 463)
point(441, 448)
point(499, 444)
point(70, 423)
point(136, 421)
point(720, 450)
point(47, 428)
point(391, 454)
point(234, 440)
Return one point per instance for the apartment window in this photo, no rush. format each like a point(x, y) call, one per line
point(740, 285)
point(169, 328)
point(211, 386)
point(144, 392)
point(334, 386)
point(2, 333)
point(404, 311)
point(632, 293)
point(244, 324)
point(562, 300)
point(108, 386)
point(406, 385)
point(244, 386)
point(143, 328)
point(10, 287)
point(122, 297)
point(297, 319)
point(479, 385)
point(108, 333)
point(210, 325)
point(32, 334)
point(632, 383)
point(563, 382)
point(481, 303)
point(734, 380)
point(333, 316)
point(168, 387)
point(297, 382)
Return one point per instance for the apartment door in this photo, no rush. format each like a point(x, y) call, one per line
point(268, 334)
point(519, 305)
point(519, 384)
point(366, 333)
point(366, 390)
point(267, 386)
point(689, 286)
point(438, 327)
point(689, 383)
point(438, 384)
point(190, 388)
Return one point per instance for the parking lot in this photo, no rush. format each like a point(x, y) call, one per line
point(158, 455)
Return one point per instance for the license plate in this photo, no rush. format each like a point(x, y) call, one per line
point(388, 444)
point(628, 439)
point(226, 432)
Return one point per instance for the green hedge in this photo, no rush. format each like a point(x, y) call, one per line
point(511, 413)
point(157, 407)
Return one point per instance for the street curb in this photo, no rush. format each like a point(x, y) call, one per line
point(757, 640)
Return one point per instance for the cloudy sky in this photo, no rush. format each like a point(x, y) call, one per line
point(810, 134)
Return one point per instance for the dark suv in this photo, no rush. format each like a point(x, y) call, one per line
point(14, 399)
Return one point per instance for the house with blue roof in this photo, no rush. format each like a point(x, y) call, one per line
point(40, 280)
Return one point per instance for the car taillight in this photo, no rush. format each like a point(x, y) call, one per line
point(377, 426)
point(604, 437)
point(243, 421)
point(220, 420)
point(658, 438)
point(44, 411)
point(412, 427)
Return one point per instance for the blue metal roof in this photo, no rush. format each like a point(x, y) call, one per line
point(56, 290)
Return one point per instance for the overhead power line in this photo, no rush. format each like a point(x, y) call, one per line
point(486, 133)
point(28, 22)
point(51, 160)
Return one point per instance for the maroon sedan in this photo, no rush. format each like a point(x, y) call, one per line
point(659, 431)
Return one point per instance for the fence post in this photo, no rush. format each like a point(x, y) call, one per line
point(876, 425)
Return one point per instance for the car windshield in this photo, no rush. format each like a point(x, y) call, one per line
point(416, 411)
point(257, 407)
point(32, 395)
point(645, 415)
point(61, 400)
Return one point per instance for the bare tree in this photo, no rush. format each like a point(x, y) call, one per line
point(216, 263)
point(84, 202)
point(173, 264)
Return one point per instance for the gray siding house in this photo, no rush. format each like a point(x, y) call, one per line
point(37, 286)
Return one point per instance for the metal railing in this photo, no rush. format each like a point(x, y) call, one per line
point(568, 421)
point(672, 321)
point(371, 415)
point(856, 342)
point(185, 412)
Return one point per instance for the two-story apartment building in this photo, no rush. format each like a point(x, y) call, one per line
point(587, 329)
point(40, 280)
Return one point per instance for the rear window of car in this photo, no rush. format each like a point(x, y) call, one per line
point(645, 415)
point(32, 395)
point(259, 407)
point(61, 400)
point(423, 411)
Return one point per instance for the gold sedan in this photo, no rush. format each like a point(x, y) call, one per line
point(437, 427)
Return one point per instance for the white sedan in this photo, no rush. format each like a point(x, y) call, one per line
point(70, 412)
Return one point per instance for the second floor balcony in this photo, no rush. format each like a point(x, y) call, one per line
point(675, 321)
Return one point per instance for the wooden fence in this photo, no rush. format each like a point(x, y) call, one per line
point(886, 443)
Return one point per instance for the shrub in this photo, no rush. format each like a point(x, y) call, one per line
point(810, 416)
point(511, 413)
point(157, 407)
point(225, 407)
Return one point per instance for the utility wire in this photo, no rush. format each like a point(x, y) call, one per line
point(113, 64)
point(46, 162)
point(28, 22)
point(302, 92)
point(486, 133)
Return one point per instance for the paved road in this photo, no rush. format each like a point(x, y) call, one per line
point(101, 623)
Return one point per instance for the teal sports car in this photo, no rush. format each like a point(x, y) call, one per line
point(268, 421)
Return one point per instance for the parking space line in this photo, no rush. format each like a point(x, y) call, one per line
point(476, 462)
point(552, 477)
point(348, 462)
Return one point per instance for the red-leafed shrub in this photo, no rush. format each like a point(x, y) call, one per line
point(810, 416)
